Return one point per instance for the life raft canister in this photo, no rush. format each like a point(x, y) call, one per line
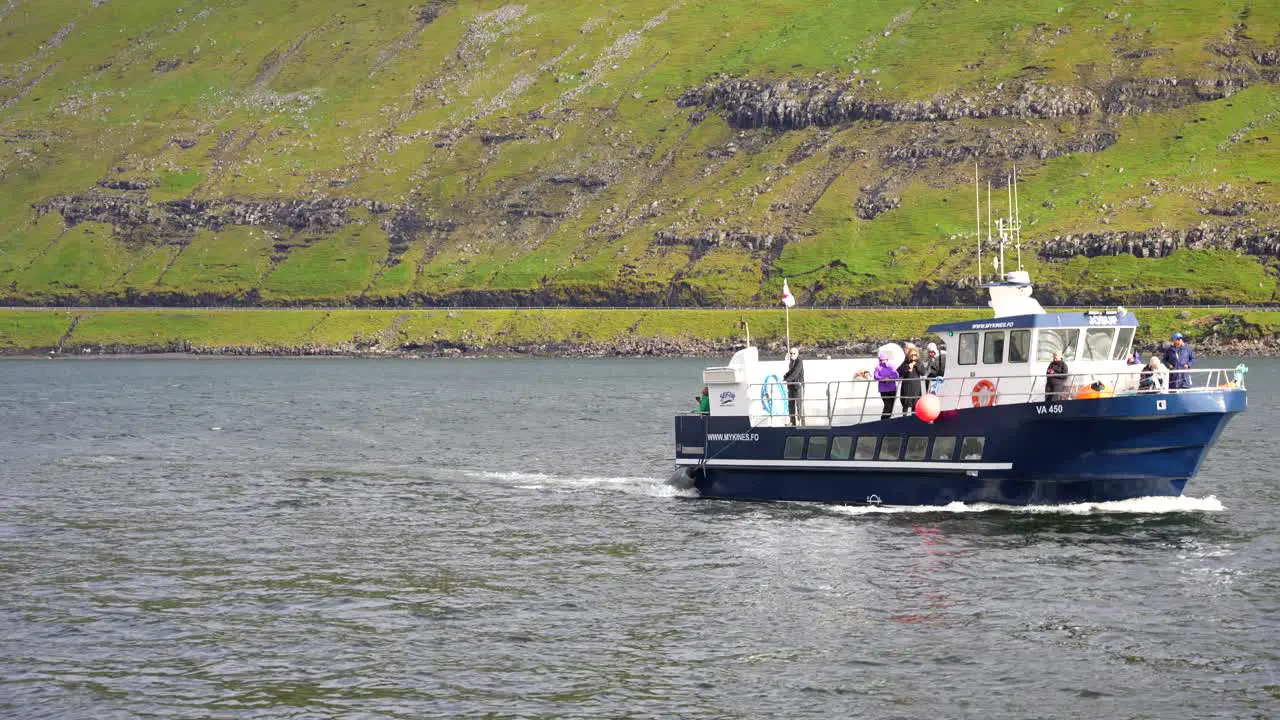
point(984, 394)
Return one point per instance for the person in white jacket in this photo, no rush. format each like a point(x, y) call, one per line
point(1154, 377)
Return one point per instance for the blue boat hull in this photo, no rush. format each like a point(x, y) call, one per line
point(1036, 453)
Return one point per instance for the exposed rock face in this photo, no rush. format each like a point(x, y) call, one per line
point(875, 200)
point(406, 225)
point(994, 146)
point(1239, 237)
point(796, 104)
point(1134, 95)
point(739, 238)
point(185, 216)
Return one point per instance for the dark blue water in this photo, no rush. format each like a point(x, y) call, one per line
point(339, 538)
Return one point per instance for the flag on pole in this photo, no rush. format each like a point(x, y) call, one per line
point(787, 298)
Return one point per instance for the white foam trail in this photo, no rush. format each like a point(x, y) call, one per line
point(1136, 506)
point(630, 485)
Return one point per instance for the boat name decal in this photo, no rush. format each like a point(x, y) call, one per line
point(733, 437)
point(992, 325)
point(1049, 409)
point(726, 398)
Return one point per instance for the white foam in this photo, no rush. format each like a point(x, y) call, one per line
point(1137, 506)
point(561, 483)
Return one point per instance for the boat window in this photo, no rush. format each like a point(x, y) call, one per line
point(1050, 341)
point(890, 447)
point(993, 348)
point(794, 449)
point(1019, 346)
point(944, 448)
point(817, 447)
point(968, 349)
point(917, 447)
point(971, 448)
point(840, 447)
point(866, 448)
point(1124, 341)
point(1097, 343)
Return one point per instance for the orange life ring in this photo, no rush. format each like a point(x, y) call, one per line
point(984, 388)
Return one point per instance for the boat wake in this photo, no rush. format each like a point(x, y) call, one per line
point(652, 487)
point(1136, 506)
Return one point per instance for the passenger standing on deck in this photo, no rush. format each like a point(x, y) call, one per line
point(935, 366)
point(704, 401)
point(1179, 358)
point(795, 386)
point(910, 375)
point(888, 386)
point(1055, 381)
point(1154, 377)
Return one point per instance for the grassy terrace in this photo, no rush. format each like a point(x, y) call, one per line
point(545, 140)
point(560, 330)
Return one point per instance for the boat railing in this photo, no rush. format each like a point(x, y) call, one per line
point(859, 400)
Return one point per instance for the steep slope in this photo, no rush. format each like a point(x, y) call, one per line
point(676, 152)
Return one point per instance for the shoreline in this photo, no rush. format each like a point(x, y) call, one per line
point(1232, 349)
point(562, 332)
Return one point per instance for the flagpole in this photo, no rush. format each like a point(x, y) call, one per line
point(788, 311)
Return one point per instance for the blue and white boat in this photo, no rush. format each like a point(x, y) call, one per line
point(998, 439)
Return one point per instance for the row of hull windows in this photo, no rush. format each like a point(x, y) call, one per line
point(1014, 346)
point(889, 447)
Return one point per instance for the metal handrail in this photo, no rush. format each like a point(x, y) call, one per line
point(1115, 384)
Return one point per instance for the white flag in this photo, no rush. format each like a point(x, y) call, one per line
point(787, 298)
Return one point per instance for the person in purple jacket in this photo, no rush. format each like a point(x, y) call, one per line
point(888, 377)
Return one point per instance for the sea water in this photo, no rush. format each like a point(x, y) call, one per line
point(445, 538)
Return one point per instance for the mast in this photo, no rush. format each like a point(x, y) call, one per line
point(989, 221)
point(1017, 219)
point(977, 212)
point(1007, 230)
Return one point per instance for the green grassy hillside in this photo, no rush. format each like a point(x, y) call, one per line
point(678, 152)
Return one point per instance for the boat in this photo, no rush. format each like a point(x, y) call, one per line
point(998, 436)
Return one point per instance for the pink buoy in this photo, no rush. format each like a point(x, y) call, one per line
point(928, 408)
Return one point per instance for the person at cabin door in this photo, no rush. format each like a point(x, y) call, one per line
point(888, 384)
point(1055, 381)
point(934, 366)
point(795, 386)
point(1179, 358)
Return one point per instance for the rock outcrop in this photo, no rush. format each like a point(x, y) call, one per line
point(187, 215)
point(1245, 238)
point(796, 104)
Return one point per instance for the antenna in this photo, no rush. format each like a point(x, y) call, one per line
point(1017, 219)
point(989, 220)
point(1007, 229)
point(977, 211)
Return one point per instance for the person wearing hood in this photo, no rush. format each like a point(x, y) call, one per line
point(795, 386)
point(888, 384)
point(1178, 358)
point(933, 365)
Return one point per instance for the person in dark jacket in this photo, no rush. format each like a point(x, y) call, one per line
point(934, 365)
point(910, 374)
point(888, 384)
point(1178, 357)
point(1055, 381)
point(795, 386)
